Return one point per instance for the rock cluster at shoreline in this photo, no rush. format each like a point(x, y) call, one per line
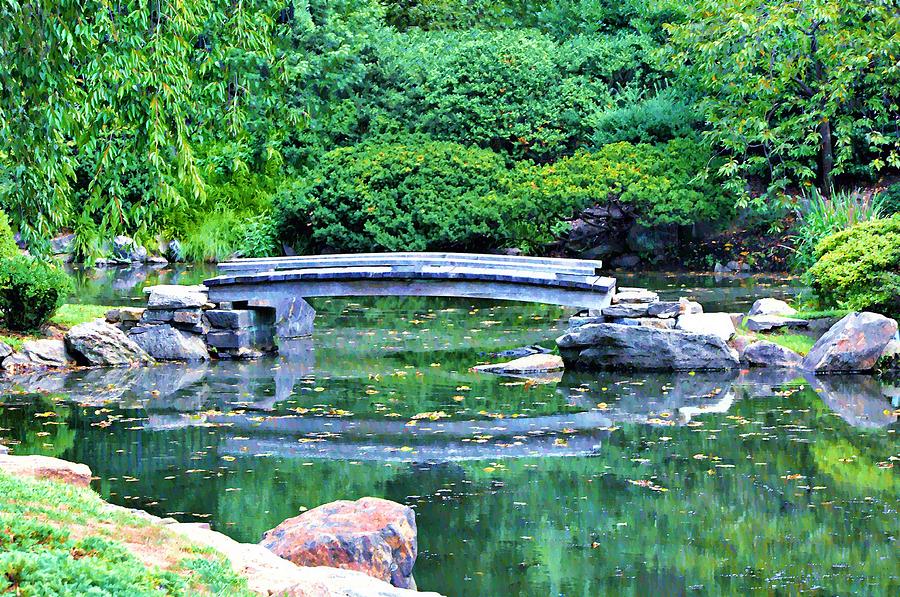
point(640, 332)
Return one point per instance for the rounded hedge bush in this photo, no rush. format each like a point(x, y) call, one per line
point(859, 268)
point(30, 291)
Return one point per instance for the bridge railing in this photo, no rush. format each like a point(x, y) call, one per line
point(413, 261)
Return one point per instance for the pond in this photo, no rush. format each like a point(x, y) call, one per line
point(744, 482)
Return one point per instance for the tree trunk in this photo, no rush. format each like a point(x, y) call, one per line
point(826, 157)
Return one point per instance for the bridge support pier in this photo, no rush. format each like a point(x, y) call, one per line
point(293, 316)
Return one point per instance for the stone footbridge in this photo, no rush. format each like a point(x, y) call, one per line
point(283, 283)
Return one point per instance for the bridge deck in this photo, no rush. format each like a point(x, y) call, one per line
point(283, 283)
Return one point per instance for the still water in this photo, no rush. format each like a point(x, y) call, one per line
point(703, 484)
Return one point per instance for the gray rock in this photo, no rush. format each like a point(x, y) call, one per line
point(627, 261)
point(189, 317)
point(580, 320)
point(231, 319)
point(535, 363)
point(3, 450)
point(855, 343)
point(101, 344)
point(768, 354)
point(653, 322)
point(611, 346)
point(165, 343)
point(173, 251)
point(626, 310)
point(720, 269)
point(664, 309)
point(524, 351)
point(634, 295)
point(173, 296)
point(158, 316)
point(5, 350)
point(717, 324)
point(39, 354)
point(770, 306)
point(733, 266)
point(690, 307)
point(126, 249)
point(64, 244)
point(764, 323)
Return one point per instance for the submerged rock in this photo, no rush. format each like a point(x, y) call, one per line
point(770, 306)
point(99, 343)
point(855, 343)
point(612, 346)
point(525, 351)
point(45, 467)
point(634, 295)
point(165, 343)
point(371, 535)
point(717, 324)
point(763, 353)
point(535, 363)
point(40, 354)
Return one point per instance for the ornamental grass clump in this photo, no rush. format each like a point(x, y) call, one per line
point(859, 268)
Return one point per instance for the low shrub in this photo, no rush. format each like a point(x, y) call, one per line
point(8, 246)
point(822, 216)
point(412, 195)
point(660, 118)
point(859, 268)
point(420, 194)
point(30, 291)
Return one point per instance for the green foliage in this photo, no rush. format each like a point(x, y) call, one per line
point(799, 343)
point(795, 90)
point(888, 202)
point(30, 291)
point(100, 107)
point(859, 268)
point(8, 247)
point(70, 315)
point(412, 195)
point(39, 556)
point(420, 194)
point(823, 215)
point(656, 119)
point(517, 91)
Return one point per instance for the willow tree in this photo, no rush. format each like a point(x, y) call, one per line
point(796, 90)
point(97, 89)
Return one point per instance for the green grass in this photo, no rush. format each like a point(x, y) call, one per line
point(799, 343)
point(70, 315)
point(57, 539)
point(819, 314)
point(15, 342)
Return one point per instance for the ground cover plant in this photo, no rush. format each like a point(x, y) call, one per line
point(58, 540)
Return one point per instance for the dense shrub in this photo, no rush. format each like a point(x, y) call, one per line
point(8, 247)
point(663, 181)
point(859, 268)
point(409, 195)
point(419, 194)
point(519, 91)
point(656, 119)
point(30, 291)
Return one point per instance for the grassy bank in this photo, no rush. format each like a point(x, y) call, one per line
point(61, 540)
point(66, 317)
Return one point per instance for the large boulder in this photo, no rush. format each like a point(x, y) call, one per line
point(855, 343)
point(173, 296)
point(613, 346)
point(763, 353)
point(717, 324)
point(370, 535)
point(165, 343)
point(38, 354)
point(102, 344)
point(770, 306)
point(127, 249)
point(45, 467)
